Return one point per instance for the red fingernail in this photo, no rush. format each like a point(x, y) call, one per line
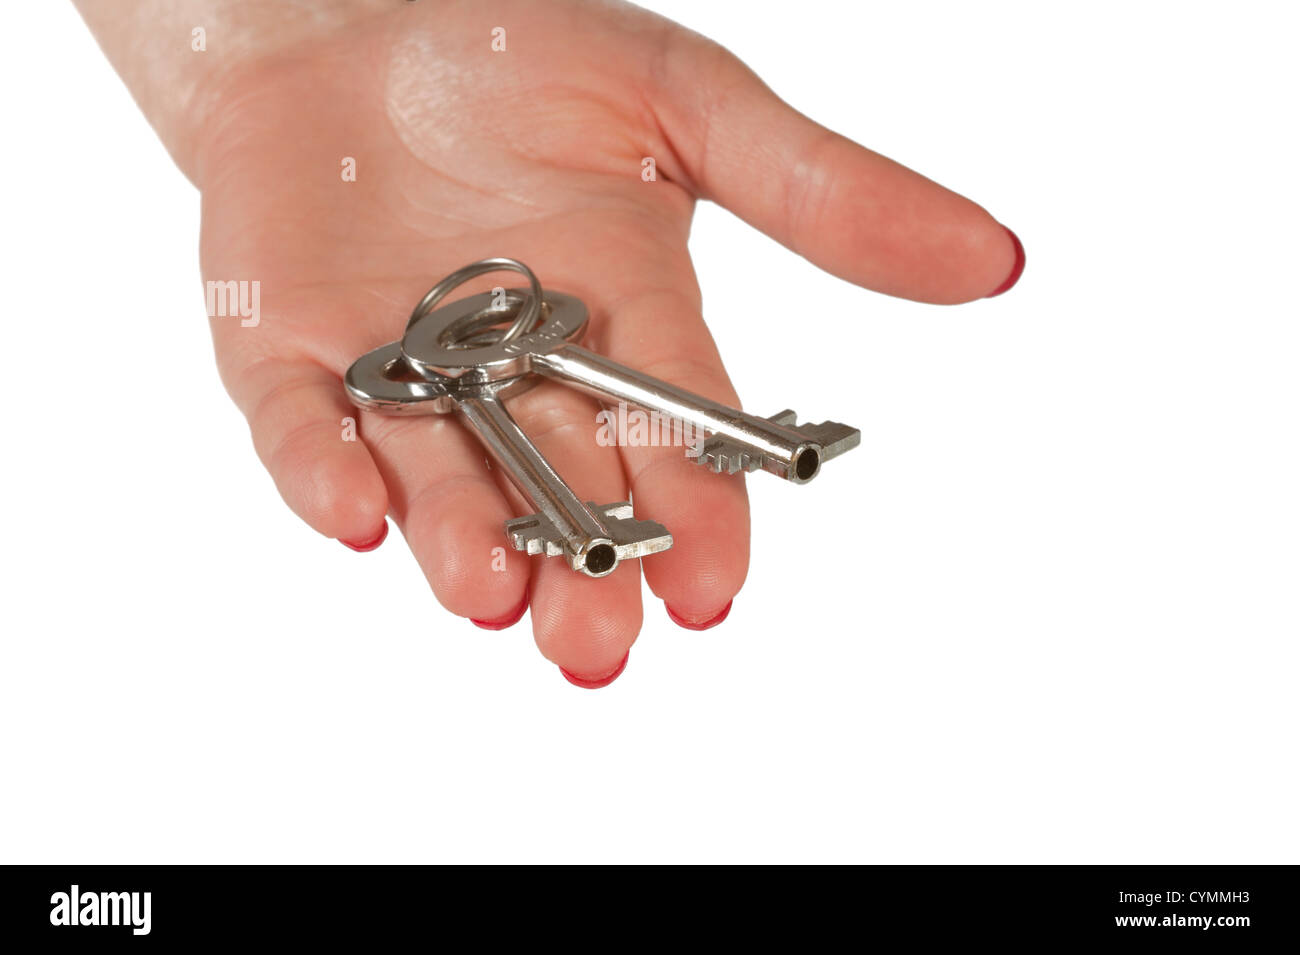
point(509, 620)
point(713, 621)
point(370, 544)
point(596, 684)
point(1016, 269)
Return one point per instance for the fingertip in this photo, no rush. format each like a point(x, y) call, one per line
point(508, 620)
point(1017, 266)
point(598, 681)
point(471, 570)
point(586, 626)
point(367, 545)
point(705, 621)
point(709, 560)
point(338, 491)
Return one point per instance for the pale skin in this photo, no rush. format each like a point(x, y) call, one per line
point(536, 152)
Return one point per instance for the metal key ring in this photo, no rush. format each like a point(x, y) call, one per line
point(528, 315)
point(431, 349)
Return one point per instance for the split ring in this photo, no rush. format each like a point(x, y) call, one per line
point(528, 315)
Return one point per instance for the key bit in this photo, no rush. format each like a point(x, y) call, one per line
point(821, 442)
point(831, 437)
point(629, 538)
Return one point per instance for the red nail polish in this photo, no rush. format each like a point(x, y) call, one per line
point(370, 544)
point(713, 621)
point(1016, 269)
point(509, 620)
point(597, 684)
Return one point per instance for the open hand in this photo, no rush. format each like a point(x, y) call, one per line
point(536, 152)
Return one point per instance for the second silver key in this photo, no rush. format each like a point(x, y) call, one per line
point(735, 440)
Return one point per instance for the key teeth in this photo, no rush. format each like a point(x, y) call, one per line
point(632, 538)
point(786, 418)
point(833, 437)
point(534, 535)
point(718, 455)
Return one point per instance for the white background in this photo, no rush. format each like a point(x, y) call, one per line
point(1047, 612)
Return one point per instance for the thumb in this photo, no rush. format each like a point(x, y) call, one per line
point(851, 211)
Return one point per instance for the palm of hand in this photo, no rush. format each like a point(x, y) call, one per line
point(462, 152)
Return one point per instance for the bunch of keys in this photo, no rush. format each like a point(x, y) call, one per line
point(457, 359)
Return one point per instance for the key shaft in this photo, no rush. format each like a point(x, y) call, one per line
point(773, 444)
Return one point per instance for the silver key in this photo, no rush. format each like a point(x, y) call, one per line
point(592, 538)
point(734, 440)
